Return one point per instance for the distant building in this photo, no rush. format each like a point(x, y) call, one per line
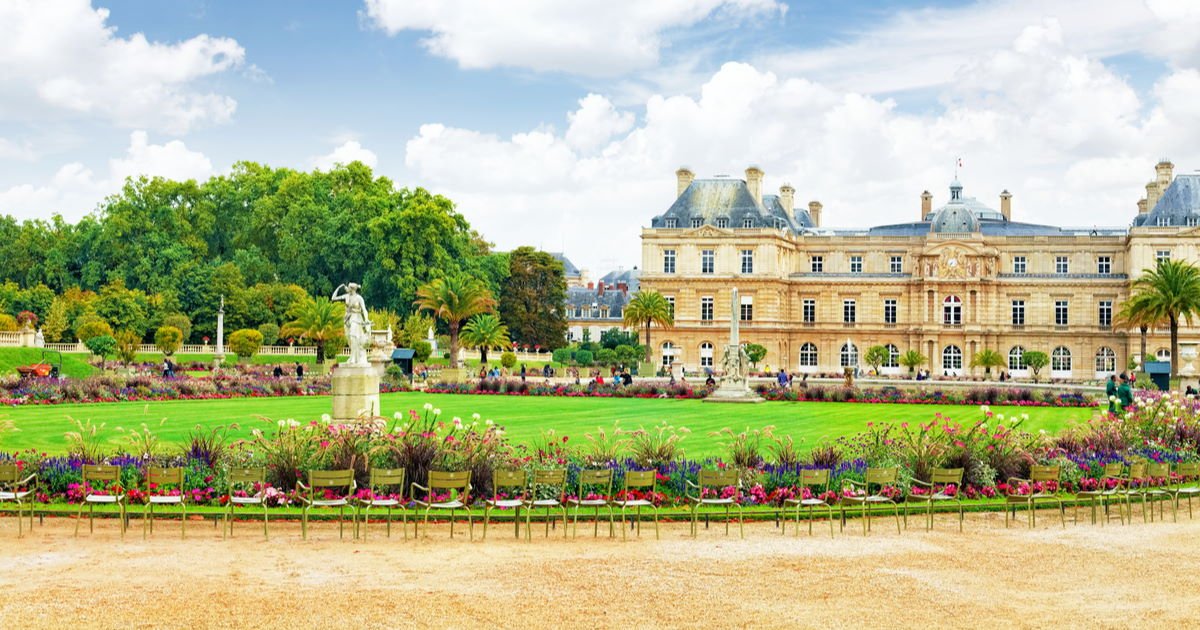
point(599, 306)
point(573, 275)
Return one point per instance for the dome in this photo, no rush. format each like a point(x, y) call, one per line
point(954, 218)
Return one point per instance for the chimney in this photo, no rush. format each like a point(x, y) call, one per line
point(1152, 192)
point(683, 179)
point(1163, 170)
point(926, 204)
point(754, 177)
point(1006, 205)
point(623, 287)
point(1142, 209)
point(599, 288)
point(814, 211)
point(591, 285)
point(787, 197)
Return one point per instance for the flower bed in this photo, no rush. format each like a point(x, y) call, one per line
point(48, 391)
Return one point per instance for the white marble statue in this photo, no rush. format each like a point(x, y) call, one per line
point(357, 326)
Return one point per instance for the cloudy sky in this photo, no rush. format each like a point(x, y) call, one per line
point(560, 124)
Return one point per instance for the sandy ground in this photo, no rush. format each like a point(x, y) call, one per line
point(1086, 575)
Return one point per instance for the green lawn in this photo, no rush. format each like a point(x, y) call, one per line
point(42, 427)
point(75, 365)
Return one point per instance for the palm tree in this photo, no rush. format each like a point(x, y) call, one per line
point(646, 308)
point(454, 300)
point(911, 359)
point(484, 331)
point(987, 359)
point(1137, 313)
point(318, 320)
point(1172, 292)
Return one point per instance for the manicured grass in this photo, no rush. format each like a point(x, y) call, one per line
point(524, 418)
point(75, 365)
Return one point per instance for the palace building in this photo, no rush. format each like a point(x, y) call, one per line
point(959, 278)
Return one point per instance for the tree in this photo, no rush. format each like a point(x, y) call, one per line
point(646, 308)
point(485, 332)
point(318, 320)
point(101, 346)
point(270, 333)
point(614, 337)
point(755, 353)
point(912, 359)
point(454, 300)
point(127, 346)
point(606, 356)
point(1137, 313)
point(245, 342)
point(533, 299)
point(583, 357)
point(508, 359)
point(421, 351)
point(57, 322)
point(8, 323)
point(561, 356)
point(123, 308)
point(1171, 292)
point(180, 322)
point(876, 356)
point(626, 354)
point(93, 327)
point(1035, 361)
point(987, 359)
point(168, 339)
point(416, 327)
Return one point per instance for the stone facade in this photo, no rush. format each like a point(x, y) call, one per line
point(961, 279)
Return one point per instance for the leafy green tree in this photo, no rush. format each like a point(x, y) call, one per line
point(93, 327)
point(533, 298)
point(245, 342)
point(1138, 312)
point(454, 300)
point(562, 356)
point(421, 351)
point(606, 356)
point(1170, 291)
point(988, 359)
point(614, 337)
point(485, 332)
point(57, 323)
point(627, 354)
point(508, 359)
point(755, 353)
point(180, 322)
point(8, 322)
point(1035, 360)
point(912, 359)
point(317, 320)
point(270, 333)
point(101, 346)
point(123, 308)
point(416, 328)
point(646, 308)
point(583, 357)
point(127, 346)
point(168, 339)
point(876, 356)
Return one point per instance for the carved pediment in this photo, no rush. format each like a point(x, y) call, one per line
point(708, 231)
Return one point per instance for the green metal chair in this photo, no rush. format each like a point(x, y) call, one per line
point(156, 478)
point(518, 479)
point(17, 489)
point(941, 480)
point(880, 478)
point(1161, 493)
point(545, 482)
point(637, 480)
point(1037, 474)
point(319, 481)
point(252, 481)
point(600, 480)
point(106, 473)
point(1188, 486)
point(1131, 487)
point(716, 481)
point(817, 482)
point(380, 480)
point(458, 484)
point(1103, 493)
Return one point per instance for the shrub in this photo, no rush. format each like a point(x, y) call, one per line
point(181, 322)
point(127, 346)
point(628, 355)
point(7, 322)
point(562, 356)
point(93, 327)
point(744, 449)
point(605, 446)
point(101, 345)
point(245, 342)
point(270, 333)
point(606, 356)
point(421, 351)
point(508, 359)
point(27, 317)
point(168, 339)
point(583, 357)
point(658, 445)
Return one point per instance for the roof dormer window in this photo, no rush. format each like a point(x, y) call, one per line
point(697, 222)
point(722, 222)
point(1192, 221)
point(747, 222)
point(1162, 221)
point(670, 223)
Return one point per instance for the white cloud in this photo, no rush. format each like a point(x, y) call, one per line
point(596, 37)
point(349, 151)
point(1070, 138)
point(62, 57)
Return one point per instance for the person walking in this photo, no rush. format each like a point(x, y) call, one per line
point(783, 378)
point(299, 371)
point(1125, 392)
point(1110, 390)
point(523, 372)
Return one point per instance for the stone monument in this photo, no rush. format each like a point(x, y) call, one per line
point(735, 384)
point(219, 357)
point(355, 382)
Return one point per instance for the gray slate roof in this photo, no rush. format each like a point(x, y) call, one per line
point(712, 199)
point(569, 268)
point(628, 276)
point(584, 297)
point(1178, 203)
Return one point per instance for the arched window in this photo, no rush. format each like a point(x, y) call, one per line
point(1163, 354)
point(808, 355)
point(1106, 360)
point(1016, 359)
point(1060, 359)
point(668, 353)
point(849, 355)
point(952, 311)
point(893, 358)
point(952, 358)
point(706, 354)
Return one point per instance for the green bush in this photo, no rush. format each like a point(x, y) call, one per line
point(270, 333)
point(606, 356)
point(245, 342)
point(508, 359)
point(421, 351)
point(127, 346)
point(101, 345)
point(561, 356)
point(583, 357)
point(93, 327)
point(180, 321)
point(168, 339)
point(7, 322)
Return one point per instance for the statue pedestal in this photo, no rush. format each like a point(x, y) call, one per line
point(733, 394)
point(355, 392)
point(734, 386)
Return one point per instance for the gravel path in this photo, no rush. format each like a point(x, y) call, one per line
point(1083, 576)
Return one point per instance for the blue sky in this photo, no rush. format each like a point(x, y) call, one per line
point(551, 123)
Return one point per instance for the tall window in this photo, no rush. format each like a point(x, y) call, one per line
point(848, 314)
point(671, 223)
point(808, 355)
point(1162, 354)
point(952, 358)
point(1105, 318)
point(1016, 358)
point(668, 261)
point(809, 309)
point(893, 357)
point(1106, 360)
point(1019, 264)
point(706, 309)
point(818, 264)
point(1162, 254)
point(747, 222)
point(952, 311)
point(1061, 312)
point(849, 355)
point(1060, 359)
point(697, 222)
point(856, 264)
point(671, 306)
point(747, 261)
point(896, 264)
point(889, 311)
point(706, 354)
point(747, 312)
point(722, 222)
point(1162, 221)
point(1018, 312)
point(668, 353)
point(707, 261)
point(1104, 265)
point(1061, 264)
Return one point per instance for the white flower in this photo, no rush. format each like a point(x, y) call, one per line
point(984, 408)
point(292, 423)
point(489, 422)
point(326, 418)
point(428, 407)
point(398, 415)
point(475, 416)
point(457, 422)
point(281, 423)
point(437, 412)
